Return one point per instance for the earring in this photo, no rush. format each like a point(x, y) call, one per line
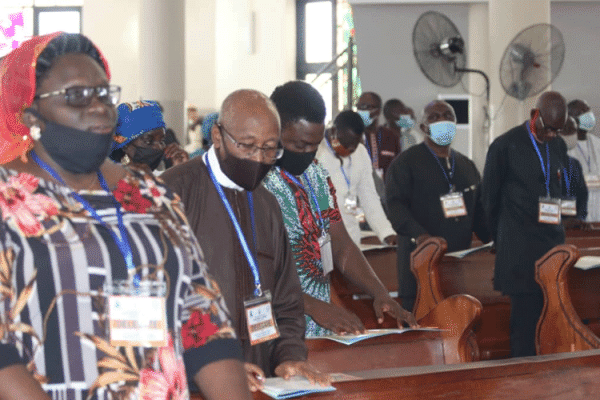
point(125, 160)
point(35, 132)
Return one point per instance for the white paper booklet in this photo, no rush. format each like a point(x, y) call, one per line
point(466, 252)
point(588, 262)
point(351, 339)
point(279, 388)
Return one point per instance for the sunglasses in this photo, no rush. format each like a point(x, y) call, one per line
point(81, 96)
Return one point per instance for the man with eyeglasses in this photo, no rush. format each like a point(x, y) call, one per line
point(521, 194)
point(240, 228)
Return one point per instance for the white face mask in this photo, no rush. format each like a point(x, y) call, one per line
point(570, 140)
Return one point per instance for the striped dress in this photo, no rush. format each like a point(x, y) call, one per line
point(54, 262)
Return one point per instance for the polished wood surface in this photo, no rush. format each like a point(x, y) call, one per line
point(564, 376)
point(560, 328)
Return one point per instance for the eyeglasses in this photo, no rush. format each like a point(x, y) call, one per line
point(560, 131)
point(249, 150)
point(81, 96)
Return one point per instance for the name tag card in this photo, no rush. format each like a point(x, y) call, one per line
point(137, 321)
point(549, 211)
point(453, 205)
point(137, 313)
point(592, 181)
point(260, 319)
point(568, 207)
point(326, 253)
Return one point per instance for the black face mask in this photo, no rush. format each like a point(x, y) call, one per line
point(148, 155)
point(244, 172)
point(295, 163)
point(76, 151)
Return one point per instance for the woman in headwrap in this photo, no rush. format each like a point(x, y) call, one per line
point(103, 290)
point(205, 129)
point(140, 136)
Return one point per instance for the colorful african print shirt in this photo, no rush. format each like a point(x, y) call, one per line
point(304, 227)
point(54, 261)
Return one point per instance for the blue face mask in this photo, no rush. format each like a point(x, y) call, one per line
point(366, 116)
point(405, 122)
point(442, 133)
point(587, 121)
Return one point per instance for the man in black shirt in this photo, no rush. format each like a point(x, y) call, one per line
point(432, 190)
point(521, 194)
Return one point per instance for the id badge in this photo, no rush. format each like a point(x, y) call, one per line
point(592, 181)
point(568, 207)
point(453, 205)
point(260, 319)
point(351, 203)
point(137, 315)
point(549, 211)
point(326, 253)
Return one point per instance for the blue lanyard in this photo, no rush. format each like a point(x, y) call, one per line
point(448, 179)
point(251, 261)
point(588, 159)
point(341, 165)
point(123, 241)
point(567, 177)
point(545, 169)
point(312, 192)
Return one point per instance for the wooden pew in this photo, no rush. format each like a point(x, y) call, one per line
point(440, 277)
point(570, 294)
point(565, 376)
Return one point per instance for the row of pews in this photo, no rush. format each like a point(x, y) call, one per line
point(470, 358)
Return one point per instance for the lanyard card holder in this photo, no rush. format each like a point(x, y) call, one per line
point(592, 181)
point(549, 211)
point(137, 313)
point(453, 205)
point(326, 253)
point(568, 207)
point(260, 319)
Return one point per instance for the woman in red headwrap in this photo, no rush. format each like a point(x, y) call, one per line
point(103, 289)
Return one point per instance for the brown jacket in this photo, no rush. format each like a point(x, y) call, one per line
point(226, 261)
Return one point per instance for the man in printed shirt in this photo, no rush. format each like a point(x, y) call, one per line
point(312, 218)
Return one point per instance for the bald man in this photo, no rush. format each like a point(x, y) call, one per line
point(421, 185)
point(240, 229)
point(521, 192)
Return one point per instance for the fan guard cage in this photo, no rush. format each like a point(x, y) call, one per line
point(532, 61)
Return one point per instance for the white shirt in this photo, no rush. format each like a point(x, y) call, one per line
point(223, 180)
point(587, 152)
point(359, 170)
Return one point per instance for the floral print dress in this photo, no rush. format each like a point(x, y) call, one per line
point(54, 261)
point(303, 225)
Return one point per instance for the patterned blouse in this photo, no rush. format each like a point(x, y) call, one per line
point(54, 261)
point(303, 225)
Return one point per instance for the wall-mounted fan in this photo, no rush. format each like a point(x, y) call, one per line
point(440, 51)
point(532, 61)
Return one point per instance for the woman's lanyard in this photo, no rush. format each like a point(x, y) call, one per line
point(341, 165)
point(251, 260)
point(545, 169)
point(313, 195)
point(123, 241)
point(448, 179)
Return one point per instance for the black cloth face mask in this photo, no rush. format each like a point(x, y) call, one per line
point(243, 172)
point(76, 151)
point(294, 162)
point(148, 155)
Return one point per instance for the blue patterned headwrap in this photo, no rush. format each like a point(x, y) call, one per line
point(135, 119)
point(207, 125)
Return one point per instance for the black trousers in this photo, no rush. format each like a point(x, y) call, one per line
point(525, 311)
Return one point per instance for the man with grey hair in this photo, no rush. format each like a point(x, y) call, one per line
point(432, 190)
point(240, 228)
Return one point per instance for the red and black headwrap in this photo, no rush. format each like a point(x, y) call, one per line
point(17, 90)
